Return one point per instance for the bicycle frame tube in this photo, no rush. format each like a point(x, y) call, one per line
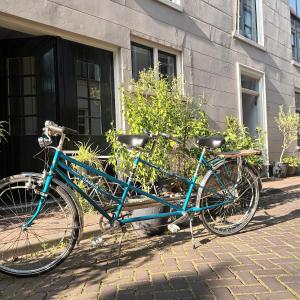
point(44, 191)
point(59, 167)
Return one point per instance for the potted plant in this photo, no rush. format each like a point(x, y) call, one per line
point(293, 162)
point(288, 125)
point(156, 104)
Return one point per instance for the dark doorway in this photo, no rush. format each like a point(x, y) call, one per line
point(47, 78)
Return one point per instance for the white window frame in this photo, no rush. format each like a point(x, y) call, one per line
point(175, 4)
point(259, 75)
point(259, 21)
point(156, 48)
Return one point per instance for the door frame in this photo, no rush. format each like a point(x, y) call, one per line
point(261, 76)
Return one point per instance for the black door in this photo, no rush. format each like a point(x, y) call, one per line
point(88, 97)
point(28, 97)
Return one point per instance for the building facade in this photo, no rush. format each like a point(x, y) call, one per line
point(64, 60)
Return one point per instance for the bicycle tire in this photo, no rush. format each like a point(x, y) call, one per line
point(240, 182)
point(48, 241)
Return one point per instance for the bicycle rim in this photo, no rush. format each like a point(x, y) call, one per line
point(240, 194)
point(51, 237)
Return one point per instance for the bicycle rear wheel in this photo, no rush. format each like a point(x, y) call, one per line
point(239, 184)
point(51, 237)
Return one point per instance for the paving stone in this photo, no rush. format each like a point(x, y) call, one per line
point(273, 284)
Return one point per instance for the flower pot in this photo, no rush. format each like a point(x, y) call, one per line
point(150, 227)
point(280, 169)
point(291, 171)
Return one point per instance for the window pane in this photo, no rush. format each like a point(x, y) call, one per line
point(95, 109)
point(29, 86)
point(94, 72)
point(96, 128)
point(142, 59)
point(82, 90)
point(28, 66)
point(16, 126)
point(14, 67)
point(248, 19)
point(21, 83)
point(30, 106)
point(81, 69)
point(249, 83)
point(94, 90)
point(293, 5)
point(83, 123)
point(297, 100)
point(250, 112)
point(31, 125)
point(15, 107)
point(167, 64)
point(15, 86)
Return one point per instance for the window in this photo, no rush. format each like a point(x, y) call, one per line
point(89, 98)
point(250, 95)
point(295, 38)
point(167, 64)
point(144, 57)
point(22, 104)
point(249, 20)
point(295, 7)
point(297, 104)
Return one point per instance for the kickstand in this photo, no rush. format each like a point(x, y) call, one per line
point(192, 234)
point(120, 245)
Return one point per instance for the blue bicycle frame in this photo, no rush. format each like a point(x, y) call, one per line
point(60, 168)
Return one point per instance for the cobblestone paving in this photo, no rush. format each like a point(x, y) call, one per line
point(263, 262)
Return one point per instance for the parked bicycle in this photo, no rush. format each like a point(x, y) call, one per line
point(41, 219)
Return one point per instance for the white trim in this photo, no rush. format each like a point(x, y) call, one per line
point(175, 4)
point(260, 26)
point(240, 37)
point(295, 63)
point(118, 78)
point(259, 75)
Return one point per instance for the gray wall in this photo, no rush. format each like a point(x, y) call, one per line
point(202, 33)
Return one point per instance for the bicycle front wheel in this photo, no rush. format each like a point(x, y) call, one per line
point(51, 237)
point(232, 190)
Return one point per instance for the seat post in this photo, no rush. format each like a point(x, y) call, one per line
point(200, 162)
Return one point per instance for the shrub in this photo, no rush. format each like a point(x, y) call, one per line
point(292, 161)
point(237, 137)
point(155, 104)
point(86, 154)
point(288, 125)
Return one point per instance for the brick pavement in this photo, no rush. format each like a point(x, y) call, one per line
point(263, 262)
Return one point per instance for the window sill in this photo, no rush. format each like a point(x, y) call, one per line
point(247, 41)
point(172, 5)
point(296, 63)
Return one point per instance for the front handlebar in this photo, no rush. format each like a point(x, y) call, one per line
point(54, 129)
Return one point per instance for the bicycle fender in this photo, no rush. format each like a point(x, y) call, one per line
point(70, 192)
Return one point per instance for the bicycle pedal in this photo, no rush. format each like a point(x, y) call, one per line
point(173, 228)
point(97, 242)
